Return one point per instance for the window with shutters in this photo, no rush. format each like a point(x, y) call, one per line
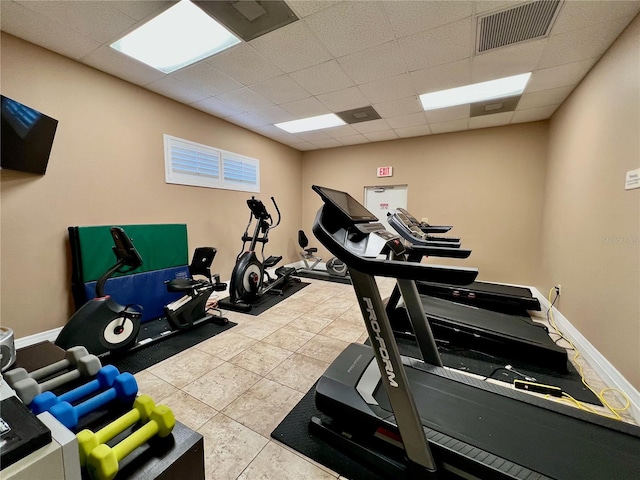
point(190, 163)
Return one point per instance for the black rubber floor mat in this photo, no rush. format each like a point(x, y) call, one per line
point(147, 356)
point(265, 302)
point(293, 431)
point(326, 277)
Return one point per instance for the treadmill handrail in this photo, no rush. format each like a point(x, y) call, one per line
point(392, 268)
point(448, 252)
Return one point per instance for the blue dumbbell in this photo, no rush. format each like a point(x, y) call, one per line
point(124, 389)
point(104, 379)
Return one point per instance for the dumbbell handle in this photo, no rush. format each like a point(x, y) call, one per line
point(96, 402)
point(117, 426)
point(137, 438)
point(60, 380)
point(50, 369)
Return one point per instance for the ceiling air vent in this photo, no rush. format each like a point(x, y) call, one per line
point(357, 115)
point(524, 22)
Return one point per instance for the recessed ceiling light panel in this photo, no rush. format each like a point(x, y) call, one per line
point(311, 123)
point(178, 37)
point(477, 92)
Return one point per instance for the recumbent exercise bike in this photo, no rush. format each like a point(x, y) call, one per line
point(103, 326)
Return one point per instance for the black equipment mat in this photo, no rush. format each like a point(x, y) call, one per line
point(141, 358)
point(323, 276)
point(267, 301)
point(481, 363)
point(293, 431)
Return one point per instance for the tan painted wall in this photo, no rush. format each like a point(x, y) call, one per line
point(107, 167)
point(590, 237)
point(487, 183)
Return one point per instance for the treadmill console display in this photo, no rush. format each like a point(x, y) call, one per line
point(346, 204)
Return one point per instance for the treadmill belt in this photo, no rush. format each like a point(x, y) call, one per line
point(481, 363)
point(542, 440)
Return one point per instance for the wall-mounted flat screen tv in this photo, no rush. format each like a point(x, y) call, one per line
point(26, 137)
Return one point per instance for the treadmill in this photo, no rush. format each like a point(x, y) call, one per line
point(509, 336)
point(491, 296)
point(411, 419)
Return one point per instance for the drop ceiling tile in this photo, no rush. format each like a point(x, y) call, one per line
point(244, 99)
point(389, 88)
point(97, 20)
point(577, 15)
point(401, 106)
point(324, 78)
point(141, 9)
point(280, 90)
point(247, 120)
point(111, 61)
point(276, 133)
point(442, 77)
point(381, 136)
point(217, 108)
point(313, 135)
point(450, 126)
point(303, 146)
point(33, 27)
point(486, 6)
point(410, 120)
point(175, 89)
point(345, 99)
point(328, 143)
point(304, 8)
point(371, 126)
point(307, 107)
point(206, 79)
point(562, 75)
point(302, 47)
point(348, 27)
point(581, 44)
point(415, 131)
point(506, 61)
point(446, 114)
point(543, 98)
point(374, 63)
point(408, 18)
point(353, 140)
point(446, 44)
point(534, 114)
point(274, 114)
point(341, 131)
point(487, 121)
point(244, 64)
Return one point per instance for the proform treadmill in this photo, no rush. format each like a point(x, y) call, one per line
point(411, 419)
point(492, 296)
point(508, 336)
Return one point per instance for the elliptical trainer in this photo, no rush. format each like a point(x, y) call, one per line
point(250, 279)
point(102, 324)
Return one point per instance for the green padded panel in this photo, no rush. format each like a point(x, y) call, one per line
point(160, 246)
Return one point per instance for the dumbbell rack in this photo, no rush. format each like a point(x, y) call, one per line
point(177, 457)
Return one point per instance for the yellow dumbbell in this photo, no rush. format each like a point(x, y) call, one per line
point(87, 440)
point(102, 462)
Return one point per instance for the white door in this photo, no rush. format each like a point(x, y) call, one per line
point(379, 200)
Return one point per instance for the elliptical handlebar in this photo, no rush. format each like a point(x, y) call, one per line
point(273, 200)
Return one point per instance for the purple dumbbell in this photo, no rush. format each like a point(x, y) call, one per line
point(124, 389)
point(103, 380)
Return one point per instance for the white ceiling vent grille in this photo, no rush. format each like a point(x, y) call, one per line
point(518, 24)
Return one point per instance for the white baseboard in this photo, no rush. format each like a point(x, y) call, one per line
point(49, 335)
point(607, 372)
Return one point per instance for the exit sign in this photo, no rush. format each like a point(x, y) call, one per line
point(385, 172)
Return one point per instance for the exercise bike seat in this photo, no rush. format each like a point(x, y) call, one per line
point(272, 260)
point(303, 241)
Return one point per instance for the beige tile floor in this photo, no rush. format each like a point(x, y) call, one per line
point(236, 387)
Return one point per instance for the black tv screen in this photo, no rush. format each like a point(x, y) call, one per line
point(26, 137)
